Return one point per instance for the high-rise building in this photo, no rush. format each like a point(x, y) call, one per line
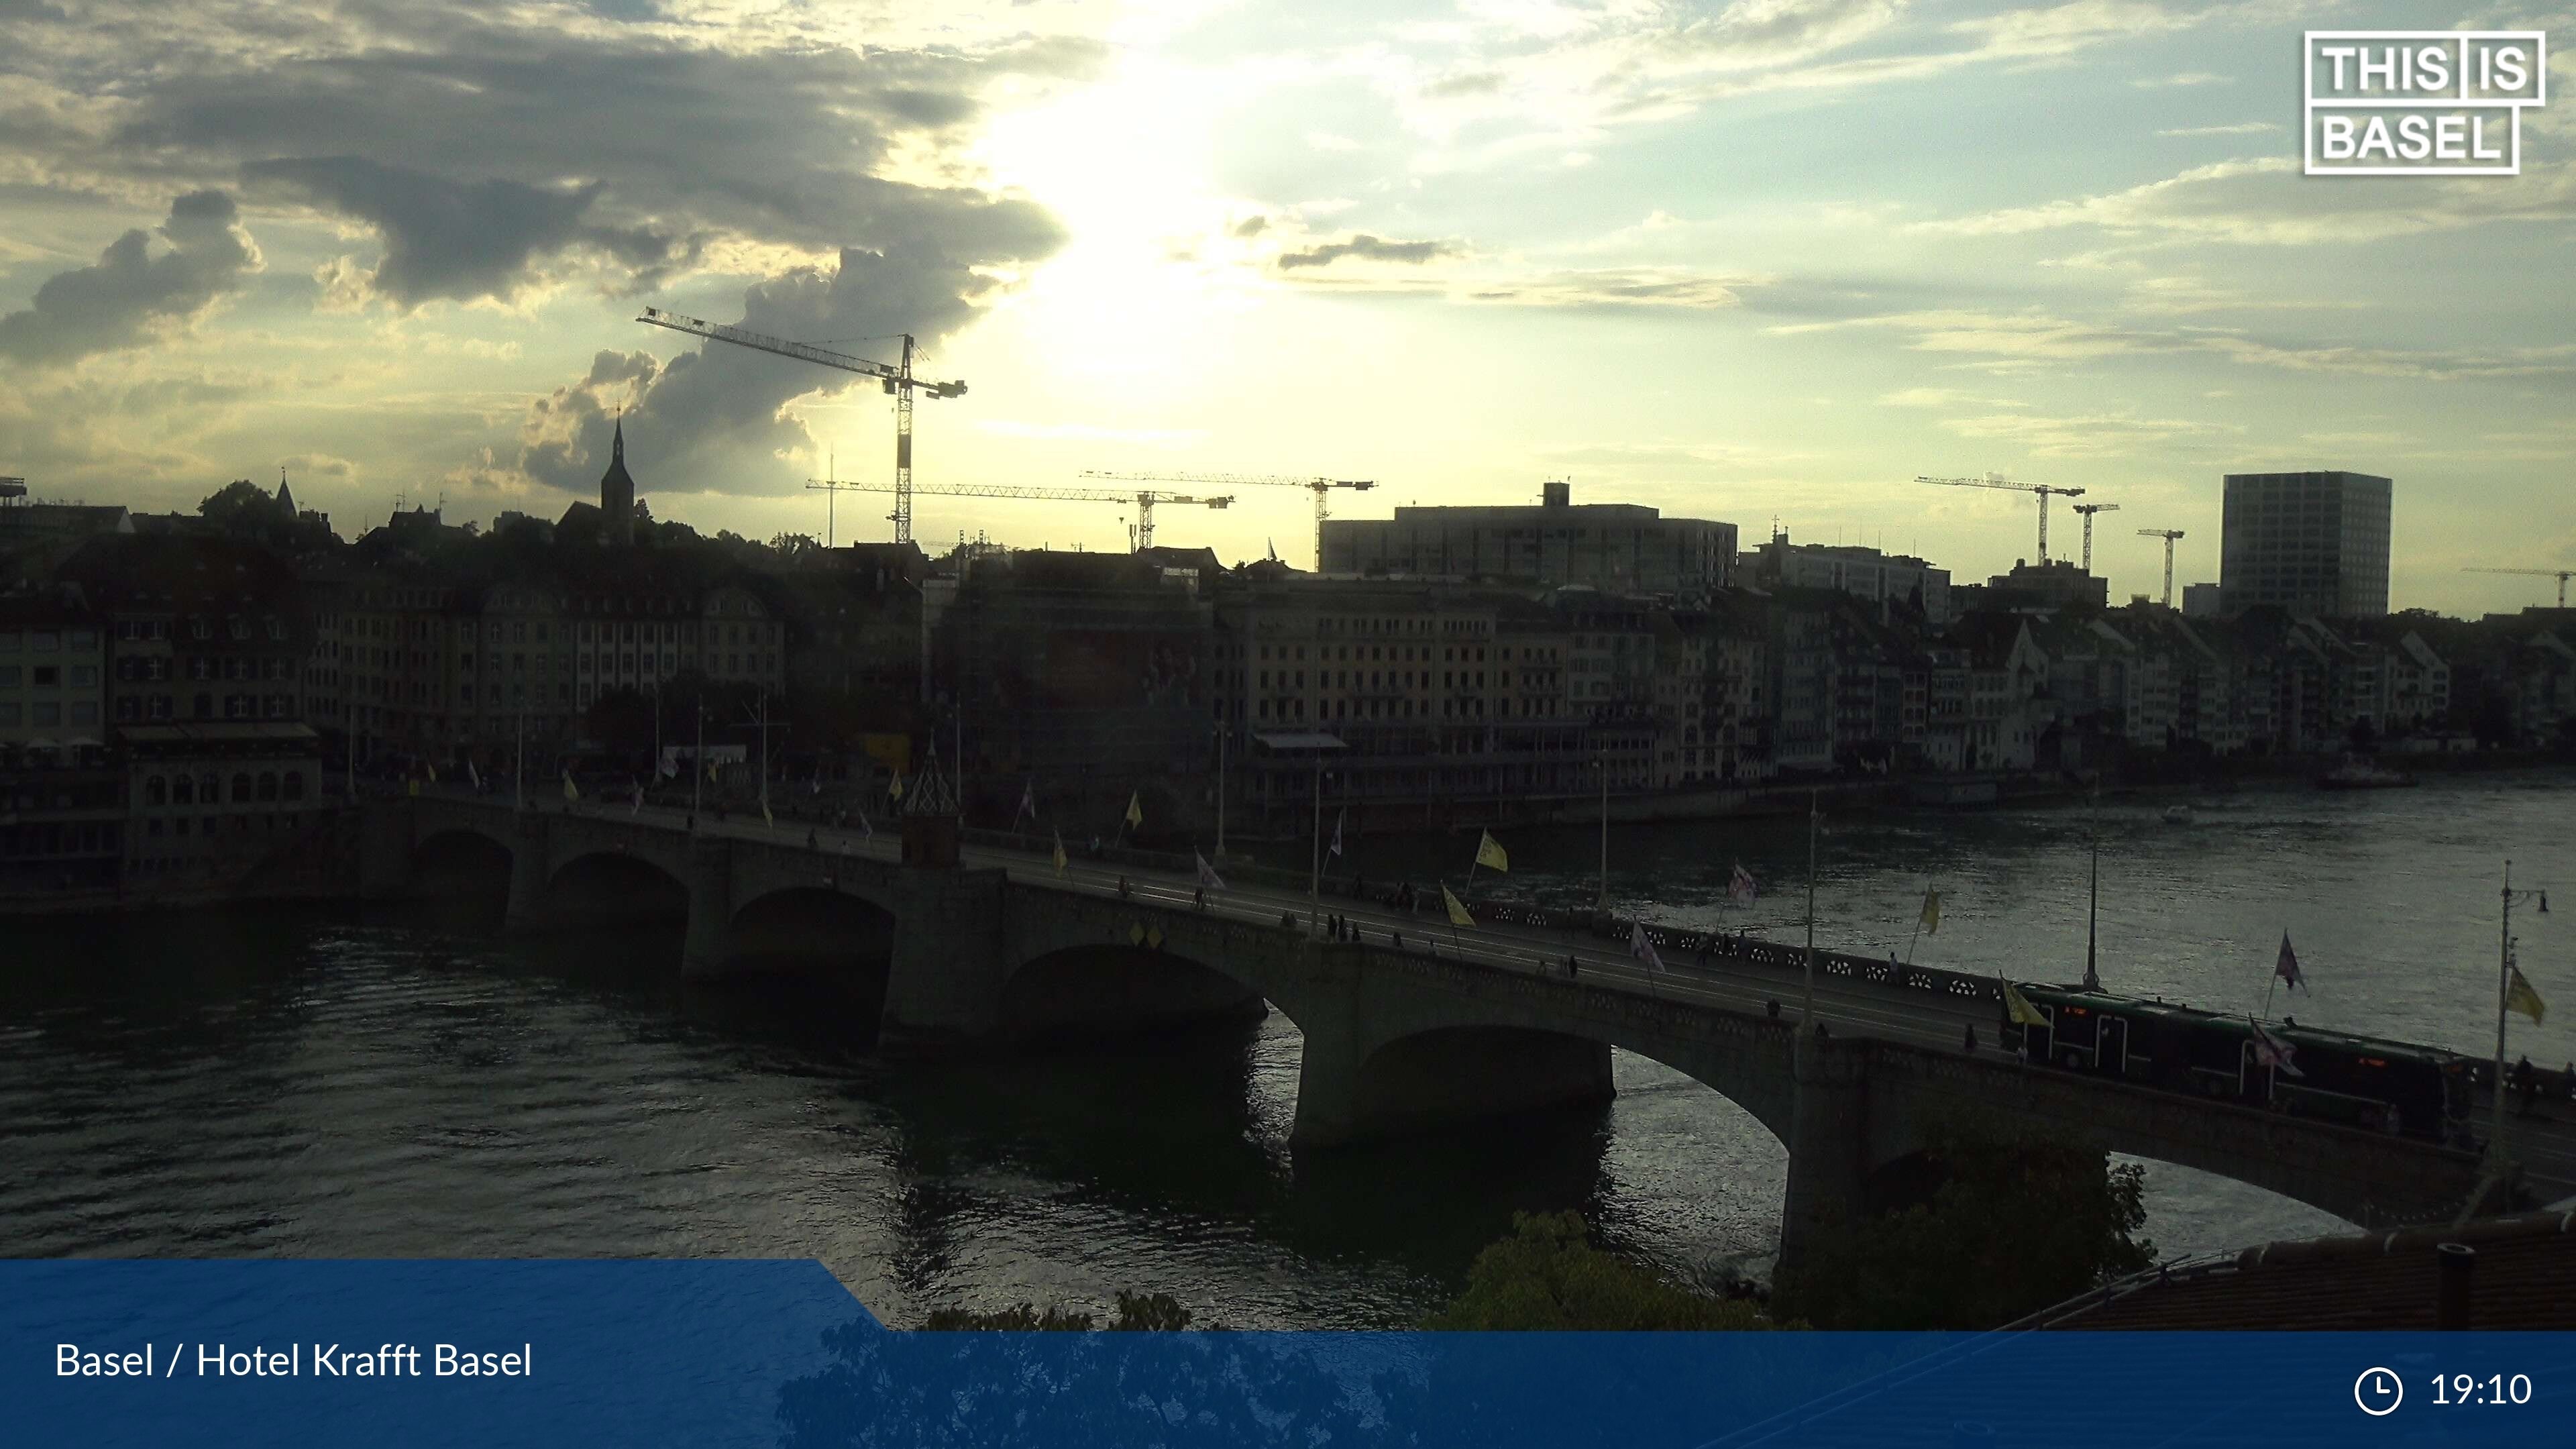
point(1621, 547)
point(2310, 543)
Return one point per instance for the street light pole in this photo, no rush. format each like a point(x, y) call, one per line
point(1601, 763)
point(1807, 1012)
point(1315, 881)
point(1221, 732)
point(698, 764)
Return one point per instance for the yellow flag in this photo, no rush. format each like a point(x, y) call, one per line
point(415, 786)
point(2518, 995)
point(571, 790)
point(1489, 853)
point(1135, 810)
point(1457, 912)
point(433, 774)
point(2019, 1009)
point(765, 817)
point(1932, 912)
point(895, 790)
point(1059, 852)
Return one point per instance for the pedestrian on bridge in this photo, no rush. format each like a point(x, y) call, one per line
point(1972, 1039)
point(1573, 968)
point(1397, 938)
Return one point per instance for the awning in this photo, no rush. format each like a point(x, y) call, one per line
point(1314, 741)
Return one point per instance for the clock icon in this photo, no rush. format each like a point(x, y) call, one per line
point(2378, 1392)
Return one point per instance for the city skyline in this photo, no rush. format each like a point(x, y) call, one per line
point(1767, 262)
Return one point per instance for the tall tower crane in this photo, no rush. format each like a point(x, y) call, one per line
point(2561, 575)
point(2168, 535)
point(1320, 487)
point(1142, 535)
point(1997, 480)
point(899, 383)
point(2088, 510)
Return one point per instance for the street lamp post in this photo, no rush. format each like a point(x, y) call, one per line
point(1807, 1011)
point(1315, 881)
point(1601, 764)
point(2504, 994)
point(1221, 732)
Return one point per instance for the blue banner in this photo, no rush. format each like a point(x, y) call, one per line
point(388, 1355)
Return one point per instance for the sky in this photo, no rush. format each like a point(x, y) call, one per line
point(1764, 261)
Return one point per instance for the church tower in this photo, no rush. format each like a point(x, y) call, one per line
point(617, 492)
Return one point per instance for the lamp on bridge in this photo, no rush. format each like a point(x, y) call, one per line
point(931, 825)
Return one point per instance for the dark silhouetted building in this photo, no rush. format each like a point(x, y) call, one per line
point(617, 492)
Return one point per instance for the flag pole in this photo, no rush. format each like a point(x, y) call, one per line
point(1918, 921)
point(2504, 986)
point(1807, 1011)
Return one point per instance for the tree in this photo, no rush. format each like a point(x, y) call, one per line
point(240, 509)
point(1547, 1275)
point(796, 550)
point(2016, 1224)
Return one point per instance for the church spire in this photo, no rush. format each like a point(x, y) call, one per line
point(617, 439)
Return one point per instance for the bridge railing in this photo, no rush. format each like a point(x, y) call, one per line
point(1678, 947)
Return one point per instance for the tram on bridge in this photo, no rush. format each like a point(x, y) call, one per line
point(2386, 1086)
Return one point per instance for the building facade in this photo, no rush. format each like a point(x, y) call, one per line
point(1617, 547)
point(2308, 543)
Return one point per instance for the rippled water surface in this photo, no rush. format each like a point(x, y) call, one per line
point(325, 1084)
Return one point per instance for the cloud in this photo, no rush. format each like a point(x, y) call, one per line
point(1939, 397)
point(2034, 338)
point(2185, 78)
point(318, 465)
point(2096, 435)
point(2265, 202)
point(129, 296)
point(448, 239)
point(1367, 248)
point(2241, 128)
point(718, 420)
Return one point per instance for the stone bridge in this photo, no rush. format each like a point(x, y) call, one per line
point(1402, 1042)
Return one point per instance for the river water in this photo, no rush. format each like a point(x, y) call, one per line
point(327, 1084)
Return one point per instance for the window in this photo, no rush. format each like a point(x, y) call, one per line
point(209, 791)
point(47, 676)
point(267, 785)
point(9, 676)
point(183, 791)
point(241, 787)
point(84, 712)
point(294, 785)
point(46, 712)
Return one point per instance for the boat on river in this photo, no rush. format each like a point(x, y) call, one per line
point(2356, 773)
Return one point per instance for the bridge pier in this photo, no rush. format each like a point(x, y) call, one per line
point(384, 849)
point(944, 982)
point(530, 869)
point(1829, 1145)
point(710, 930)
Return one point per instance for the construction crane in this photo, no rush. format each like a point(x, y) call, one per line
point(1142, 535)
point(2561, 575)
point(2168, 535)
point(1997, 480)
point(2088, 510)
point(899, 383)
point(1320, 487)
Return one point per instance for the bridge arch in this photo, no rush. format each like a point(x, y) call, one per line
point(1114, 987)
point(607, 887)
point(819, 928)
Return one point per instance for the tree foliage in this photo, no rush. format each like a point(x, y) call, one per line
point(1137, 1313)
point(1548, 1275)
point(2016, 1224)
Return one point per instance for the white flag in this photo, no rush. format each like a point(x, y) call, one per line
point(1740, 885)
point(1643, 949)
point(638, 806)
point(866, 830)
point(473, 774)
point(2271, 1051)
point(1028, 802)
point(1207, 873)
point(1337, 830)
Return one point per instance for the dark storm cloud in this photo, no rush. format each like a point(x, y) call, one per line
point(778, 145)
point(1367, 248)
point(441, 238)
point(712, 420)
point(129, 294)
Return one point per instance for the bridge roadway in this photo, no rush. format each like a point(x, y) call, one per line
point(1400, 1041)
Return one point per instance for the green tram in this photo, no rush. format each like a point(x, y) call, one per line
point(2386, 1086)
